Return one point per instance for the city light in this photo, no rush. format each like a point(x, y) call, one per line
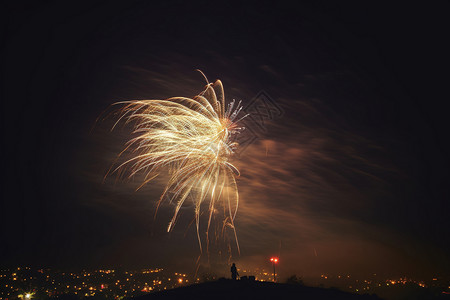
point(119, 284)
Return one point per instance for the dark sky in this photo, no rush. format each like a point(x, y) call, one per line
point(352, 178)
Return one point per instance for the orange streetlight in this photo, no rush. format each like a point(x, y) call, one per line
point(274, 260)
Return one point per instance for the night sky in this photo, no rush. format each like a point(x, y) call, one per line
point(352, 178)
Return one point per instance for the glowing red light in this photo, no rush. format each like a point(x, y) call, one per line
point(274, 259)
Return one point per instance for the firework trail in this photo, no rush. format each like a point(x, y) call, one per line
point(192, 139)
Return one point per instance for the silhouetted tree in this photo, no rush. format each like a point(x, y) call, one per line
point(294, 280)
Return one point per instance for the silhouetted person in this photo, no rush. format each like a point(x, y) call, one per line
point(234, 272)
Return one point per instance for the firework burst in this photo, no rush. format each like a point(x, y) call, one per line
point(193, 139)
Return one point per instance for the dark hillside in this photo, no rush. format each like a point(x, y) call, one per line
point(228, 289)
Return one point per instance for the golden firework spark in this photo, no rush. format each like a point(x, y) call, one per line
point(193, 139)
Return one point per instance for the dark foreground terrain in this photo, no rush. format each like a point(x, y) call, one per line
point(229, 289)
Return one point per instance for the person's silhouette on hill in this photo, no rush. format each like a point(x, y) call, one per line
point(234, 272)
